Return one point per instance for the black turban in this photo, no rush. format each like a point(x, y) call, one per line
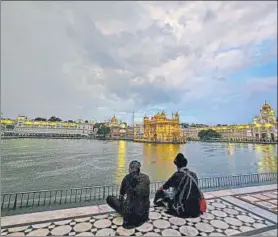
point(180, 161)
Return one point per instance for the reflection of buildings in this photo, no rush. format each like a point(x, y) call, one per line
point(161, 129)
point(158, 158)
point(24, 126)
point(267, 156)
point(263, 128)
point(250, 147)
point(121, 162)
point(231, 149)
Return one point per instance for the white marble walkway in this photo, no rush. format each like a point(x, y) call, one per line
point(227, 215)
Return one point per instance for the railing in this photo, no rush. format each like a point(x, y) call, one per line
point(12, 201)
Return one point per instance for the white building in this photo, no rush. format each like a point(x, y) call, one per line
point(139, 130)
point(23, 126)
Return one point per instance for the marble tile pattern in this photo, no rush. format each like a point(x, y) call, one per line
point(264, 199)
point(221, 219)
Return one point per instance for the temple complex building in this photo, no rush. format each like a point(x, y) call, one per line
point(119, 130)
point(262, 128)
point(113, 122)
point(139, 131)
point(22, 126)
point(265, 125)
point(160, 129)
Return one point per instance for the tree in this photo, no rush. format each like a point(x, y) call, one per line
point(40, 119)
point(54, 119)
point(208, 134)
point(10, 126)
point(184, 125)
point(70, 121)
point(86, 121)
point(98, 125)
point(103, 130)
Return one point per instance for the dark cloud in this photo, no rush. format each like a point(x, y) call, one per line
point(92, 59)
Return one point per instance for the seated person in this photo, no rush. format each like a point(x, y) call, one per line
point(186, 194)
point(134, 201)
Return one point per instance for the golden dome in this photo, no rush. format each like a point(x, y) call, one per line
point(177, 114)
point(163, 114)
point(123, 125)
point(157, 115)
point(114, 120)
point(266, 106)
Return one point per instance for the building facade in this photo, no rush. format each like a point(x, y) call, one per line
point(120, 130)
point(162, 129)
point(138, 131)
point(23, 126)
point(262, 128)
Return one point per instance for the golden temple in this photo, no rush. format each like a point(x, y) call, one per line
point(160, 129)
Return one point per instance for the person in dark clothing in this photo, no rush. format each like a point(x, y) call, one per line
point(134, 201)
point(184, 201)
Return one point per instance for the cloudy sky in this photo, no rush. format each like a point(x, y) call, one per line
point(214, 62)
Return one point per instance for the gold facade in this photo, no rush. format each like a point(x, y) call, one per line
point(8, 122)
point(113, 122)
point(265, 125)
point(22, 121)
point(161, 129)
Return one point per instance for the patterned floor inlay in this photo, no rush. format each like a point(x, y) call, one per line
point(222, 219)
point(265, 199)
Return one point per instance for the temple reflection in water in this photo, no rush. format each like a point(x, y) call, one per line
point(267, 155)
point(158, 160)
point(231, 149)
point(121, 170)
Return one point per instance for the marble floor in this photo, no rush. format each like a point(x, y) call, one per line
point(229, 213)
point(222, 219)
point(264, 199)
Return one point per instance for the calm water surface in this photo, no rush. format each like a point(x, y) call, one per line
point(34, 164)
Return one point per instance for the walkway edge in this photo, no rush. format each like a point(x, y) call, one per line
point(93, 210)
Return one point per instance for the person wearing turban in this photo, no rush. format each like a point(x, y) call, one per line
point(184, 201)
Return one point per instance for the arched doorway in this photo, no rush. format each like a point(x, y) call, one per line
point(264, 136)
point(272, 137)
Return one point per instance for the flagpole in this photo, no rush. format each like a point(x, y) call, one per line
point(133, 124)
